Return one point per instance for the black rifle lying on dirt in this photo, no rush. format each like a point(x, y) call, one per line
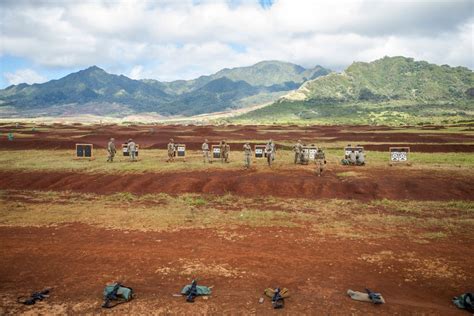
point(376, 298)
point(112, 296)
point(37, 296)
point(191, 293)
point(277, 299)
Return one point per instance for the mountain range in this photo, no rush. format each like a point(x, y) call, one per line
point(391, 90)
point(94, 91)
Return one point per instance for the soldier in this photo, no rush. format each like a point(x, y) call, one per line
point(320, 159)
point(297, 148)
point(111, 150)
point(225, 149)
point(171, 150)
point(205, 151)
point(360, 159)
point(270, 152)
point(131, 148)
point(352, 157)
point(247, 155)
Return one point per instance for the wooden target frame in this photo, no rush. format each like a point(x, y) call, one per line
point(125, 152)
point(84, 151)
point(399, 156)
point(259, 151)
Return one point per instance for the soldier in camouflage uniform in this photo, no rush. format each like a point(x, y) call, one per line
point(131, 148)
point(320, 160)
point(205, 151)
point(270, 152)
point(360, 158)
point(171, 151)
point(298, 148)
point(247, 155)
point(111, 150)
point(225, 149)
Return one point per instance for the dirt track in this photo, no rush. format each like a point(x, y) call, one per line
point(77, 260)
point(397, 184)
point(65, 137)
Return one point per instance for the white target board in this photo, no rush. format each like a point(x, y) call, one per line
point(357, 149)
point(399, 154)
point(216, 151)
point(181, 150)
point(259, 151)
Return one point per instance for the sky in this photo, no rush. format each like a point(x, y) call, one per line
point(183, 39)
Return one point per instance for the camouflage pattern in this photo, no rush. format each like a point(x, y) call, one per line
point(205, 151)
point(171, 151)
point(247, 155)
point(111, 150)
point(320, 160)
point(225, 149)
point(132, 148)
point(298, 148)
point(270, 152)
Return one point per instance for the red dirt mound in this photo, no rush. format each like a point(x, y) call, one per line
point(372, 184)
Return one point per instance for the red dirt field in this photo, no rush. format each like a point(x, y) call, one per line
point(368, 185)
point(77, 260)
point(151, 136)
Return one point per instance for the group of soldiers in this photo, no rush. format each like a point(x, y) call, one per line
point(354, 158)
point(301, 156)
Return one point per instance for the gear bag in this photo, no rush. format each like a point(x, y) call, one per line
point(116, 292)
point(465, 301)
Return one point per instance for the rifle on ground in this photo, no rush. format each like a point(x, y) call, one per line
point(277, 299)
point(376, 298)
point(191, 293)
point(36, 296)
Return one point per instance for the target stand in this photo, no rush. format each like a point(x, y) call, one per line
point(259, 151)
point(84, 151)
point(399, 156)
point(180, 152)
point(216, 152)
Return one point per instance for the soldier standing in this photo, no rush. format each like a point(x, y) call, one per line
point(131, 148)
point(205, 151)
point(225, 148)
point(171, 150)
point(297, 148)
point(270, 152)
point(247, 155)
point(320, 159)
point(111, 150)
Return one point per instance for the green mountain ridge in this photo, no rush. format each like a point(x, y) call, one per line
point(226, 89)
point(391, 90)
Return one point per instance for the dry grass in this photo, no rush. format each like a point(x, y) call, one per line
point(423, 221)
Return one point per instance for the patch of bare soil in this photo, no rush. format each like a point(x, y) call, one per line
point(78, 260)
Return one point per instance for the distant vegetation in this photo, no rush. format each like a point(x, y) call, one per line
point(394, 90)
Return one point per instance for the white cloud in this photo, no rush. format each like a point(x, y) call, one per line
point(23, 76)
point(179, 39)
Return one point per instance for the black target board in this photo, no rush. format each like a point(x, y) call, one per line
point(84, 151)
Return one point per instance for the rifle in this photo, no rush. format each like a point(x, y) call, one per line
point(111, 296)
point(36, 296)
point(376, 298)
point(277, 299)
point(191, 293)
